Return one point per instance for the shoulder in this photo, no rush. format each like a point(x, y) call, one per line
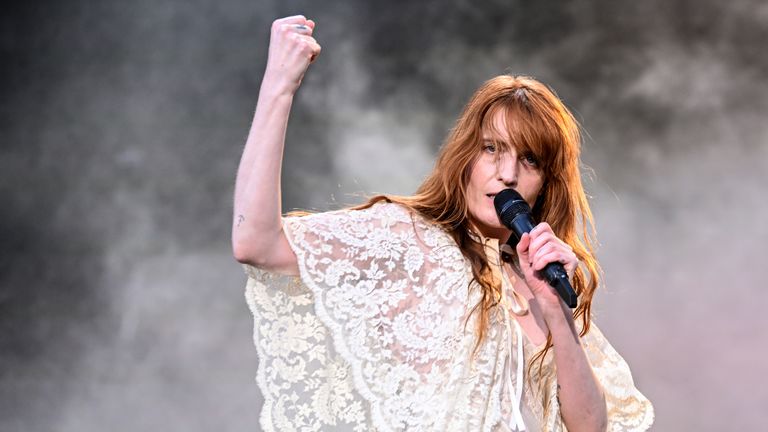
point(382, 222)
point(393, 210)
point(401, 217)
point(378, 210)
point(380, 214)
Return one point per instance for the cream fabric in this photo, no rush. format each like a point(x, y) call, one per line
point(372, 337)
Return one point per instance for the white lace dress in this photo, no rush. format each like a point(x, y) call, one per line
point(372, 337)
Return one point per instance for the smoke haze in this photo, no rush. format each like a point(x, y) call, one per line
point(121, 127)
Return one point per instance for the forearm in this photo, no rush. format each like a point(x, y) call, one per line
point(582, 402)
point(257, 203)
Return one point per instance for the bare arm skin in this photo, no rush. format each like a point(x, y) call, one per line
point(582, 401)
point(257, 235)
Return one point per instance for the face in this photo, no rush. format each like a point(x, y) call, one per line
point(495, 170)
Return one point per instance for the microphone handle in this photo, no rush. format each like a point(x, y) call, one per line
point(557, 277)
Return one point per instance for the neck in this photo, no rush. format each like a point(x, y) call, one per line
point(500, 234)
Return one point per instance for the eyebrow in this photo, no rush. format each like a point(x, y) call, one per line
point(493, 141)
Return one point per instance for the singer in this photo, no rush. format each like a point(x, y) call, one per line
point(398, 314)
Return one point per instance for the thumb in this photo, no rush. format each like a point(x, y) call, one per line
point(522, 249)
point(311, 24)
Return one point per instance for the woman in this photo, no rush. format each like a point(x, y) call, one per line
point(398, 314)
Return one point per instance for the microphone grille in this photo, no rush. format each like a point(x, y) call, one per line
point(509, 204)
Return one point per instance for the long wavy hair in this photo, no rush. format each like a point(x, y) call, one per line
point(538, 124)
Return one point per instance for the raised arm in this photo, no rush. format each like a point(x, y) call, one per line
point(257, 235)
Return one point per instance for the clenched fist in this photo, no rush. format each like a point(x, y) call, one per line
point(291, 50)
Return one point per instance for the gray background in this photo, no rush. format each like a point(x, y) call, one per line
point(121, 126)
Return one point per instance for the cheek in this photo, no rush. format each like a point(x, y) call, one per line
point(474, 188)
point(536, 186)
point(476, 203)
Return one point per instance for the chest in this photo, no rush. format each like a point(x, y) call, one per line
point(532, 323)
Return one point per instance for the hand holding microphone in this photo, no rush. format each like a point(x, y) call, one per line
point(542, 255)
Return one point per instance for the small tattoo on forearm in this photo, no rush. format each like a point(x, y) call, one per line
point(240, 218)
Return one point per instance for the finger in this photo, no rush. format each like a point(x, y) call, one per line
point(313, 57)
point(542, 227)
point(554, 256)
point(539, 230)
point(314, 47)
point(538, 241)
point(311, 41)
point(311, 24)
point(567, 258)
point(547, 236)
point(522, 249)
point(298, 28)
point(543, 250)
point(295, 19)
point(553, 245)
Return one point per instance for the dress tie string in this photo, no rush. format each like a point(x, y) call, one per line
point(520, 307)
point(516, 392)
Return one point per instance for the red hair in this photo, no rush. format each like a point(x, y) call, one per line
point(538, 123)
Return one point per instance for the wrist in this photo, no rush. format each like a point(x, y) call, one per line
point(556, 314)
point(272, 92)
point(275, 86)
point(561, 324)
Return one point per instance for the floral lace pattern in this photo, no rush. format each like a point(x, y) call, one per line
point(628, 409)
point(376, 334)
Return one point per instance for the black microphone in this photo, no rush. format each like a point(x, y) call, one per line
point(515, 214)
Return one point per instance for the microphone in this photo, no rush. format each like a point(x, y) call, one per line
point(515, 214)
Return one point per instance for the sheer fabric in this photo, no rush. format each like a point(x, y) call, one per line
point(376, 335)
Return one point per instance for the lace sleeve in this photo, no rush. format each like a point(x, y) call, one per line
point(304, 383)
point(628, 409)
point(391, 289)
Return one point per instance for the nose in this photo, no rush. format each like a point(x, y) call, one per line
point(506, 169)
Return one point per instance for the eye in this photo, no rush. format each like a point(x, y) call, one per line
point(530, 160)
point(489, 147)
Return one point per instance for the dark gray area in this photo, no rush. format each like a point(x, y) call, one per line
point(121, 126)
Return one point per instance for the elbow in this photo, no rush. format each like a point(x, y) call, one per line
point(241, 254)
point(593, 418)
point(602, 424)
point(601, 417)
point(250, 244)
point(262, 250)
point(243, 251)
point(603, 413)
point(591, 425)
point(245, 246)
point(247, 253)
